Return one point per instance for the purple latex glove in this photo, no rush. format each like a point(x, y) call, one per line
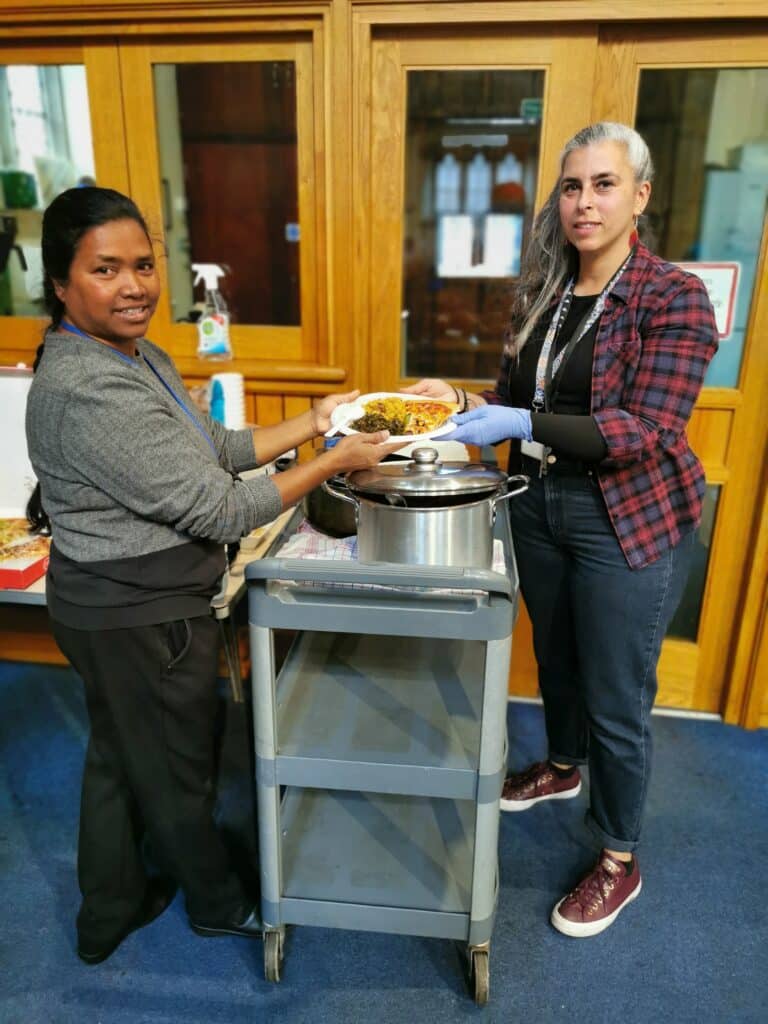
point(490, 424)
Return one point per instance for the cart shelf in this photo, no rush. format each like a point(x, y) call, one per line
point(378, 859)
point(361, 712)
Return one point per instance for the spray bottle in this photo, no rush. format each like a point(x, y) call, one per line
point(213, 325)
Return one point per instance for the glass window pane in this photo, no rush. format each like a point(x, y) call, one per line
point(471, 168)
point(685, 624)
point(45, 147)
point(708, 133)
point(228, 165)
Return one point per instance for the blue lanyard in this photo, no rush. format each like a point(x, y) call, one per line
point(76, 330)
point(132, 362)
point(196, 422)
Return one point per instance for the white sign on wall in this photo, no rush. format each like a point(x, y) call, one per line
point(721, 281)
point(17, 479)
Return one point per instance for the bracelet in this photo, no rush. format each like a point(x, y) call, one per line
point(466, 404)
point(455, 390)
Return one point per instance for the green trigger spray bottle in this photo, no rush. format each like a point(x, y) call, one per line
point(213, 326)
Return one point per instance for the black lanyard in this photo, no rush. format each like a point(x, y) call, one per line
point(583, 328)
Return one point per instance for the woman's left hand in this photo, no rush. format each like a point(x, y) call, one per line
point(490, 424)
point(320, 413)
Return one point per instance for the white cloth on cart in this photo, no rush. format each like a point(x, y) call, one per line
point(309, 543)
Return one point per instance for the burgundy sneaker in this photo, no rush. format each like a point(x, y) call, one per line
point(539, 782)
point(598, 899)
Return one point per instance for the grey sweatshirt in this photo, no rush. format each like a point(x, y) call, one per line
point(122, 468)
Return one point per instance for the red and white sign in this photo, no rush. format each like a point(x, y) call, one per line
point(721, 281)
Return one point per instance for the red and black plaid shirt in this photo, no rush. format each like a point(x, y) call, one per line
point(655, 339)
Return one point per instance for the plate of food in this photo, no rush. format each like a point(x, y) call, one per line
point(406, 417)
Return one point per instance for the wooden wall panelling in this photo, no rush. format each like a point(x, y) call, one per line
point(87, 16)
point(269, 410)
point(748, 694)
point(709, 434)
point(338, 108)
point(382, 258)
point(25, 635)
point(311, 180)
point(295, 405)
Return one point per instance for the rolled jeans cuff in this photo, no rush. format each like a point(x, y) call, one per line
point(567, 759)
point(607, 841)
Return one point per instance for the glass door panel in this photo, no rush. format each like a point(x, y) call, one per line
point(226, 136)
point(472, 143)
point(222, 155)
point(707, 129)
point(464, 136)
point(45, 148)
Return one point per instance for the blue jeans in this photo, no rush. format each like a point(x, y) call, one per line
point(598, 627)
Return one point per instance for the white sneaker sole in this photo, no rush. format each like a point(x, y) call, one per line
point(523, 805)
point(580, 930)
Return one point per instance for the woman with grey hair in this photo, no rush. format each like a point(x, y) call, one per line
point(605, 356)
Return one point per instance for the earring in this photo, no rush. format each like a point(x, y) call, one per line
point(634, 238)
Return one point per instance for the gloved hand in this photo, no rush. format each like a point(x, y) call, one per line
point(490, 424)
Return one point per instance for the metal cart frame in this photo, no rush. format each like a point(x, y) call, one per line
point(379, 765)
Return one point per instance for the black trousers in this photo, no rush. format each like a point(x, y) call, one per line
point(149, 769)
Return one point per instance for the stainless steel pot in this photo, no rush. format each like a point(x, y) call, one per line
point(327, 509)
point(427, 512)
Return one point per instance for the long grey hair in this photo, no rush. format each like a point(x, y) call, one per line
point(549, 259)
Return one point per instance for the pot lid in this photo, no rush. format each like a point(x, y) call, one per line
point(427, 475)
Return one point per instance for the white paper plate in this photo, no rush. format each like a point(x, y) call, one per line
point(339, 413)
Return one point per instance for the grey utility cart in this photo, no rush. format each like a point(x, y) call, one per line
point(381, 747)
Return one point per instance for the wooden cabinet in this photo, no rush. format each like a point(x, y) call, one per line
point(319, 288)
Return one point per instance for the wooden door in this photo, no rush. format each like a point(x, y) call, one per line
point(700, 97)
point(442, 100)
point(473, 76)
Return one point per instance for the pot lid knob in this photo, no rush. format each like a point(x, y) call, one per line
point(424, 456)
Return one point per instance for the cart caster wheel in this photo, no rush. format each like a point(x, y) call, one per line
point(479, 975)
point(273, 955)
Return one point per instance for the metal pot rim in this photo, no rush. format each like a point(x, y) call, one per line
point(438, 479)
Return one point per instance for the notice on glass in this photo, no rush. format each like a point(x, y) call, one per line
point(721, 281)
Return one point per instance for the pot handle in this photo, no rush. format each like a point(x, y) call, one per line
point(519, 478)
point(343, 495)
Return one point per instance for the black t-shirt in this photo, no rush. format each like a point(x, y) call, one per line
point(572, 386)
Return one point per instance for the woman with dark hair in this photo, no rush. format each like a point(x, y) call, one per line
point(606, 354)
point(141, 492)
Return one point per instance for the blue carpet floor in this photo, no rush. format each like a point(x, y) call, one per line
point(693, 948)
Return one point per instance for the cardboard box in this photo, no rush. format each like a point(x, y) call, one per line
point(23, 555)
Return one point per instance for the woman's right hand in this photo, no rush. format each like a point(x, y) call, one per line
point(361, 451)
point(431, 387)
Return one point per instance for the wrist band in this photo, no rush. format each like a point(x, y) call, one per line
point(456, 392)
point(465, 405)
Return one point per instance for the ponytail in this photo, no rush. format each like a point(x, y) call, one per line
point(36, 515)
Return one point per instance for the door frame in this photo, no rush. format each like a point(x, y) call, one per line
point(729, 423)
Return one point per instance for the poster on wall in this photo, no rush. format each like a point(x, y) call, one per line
point(721, 281)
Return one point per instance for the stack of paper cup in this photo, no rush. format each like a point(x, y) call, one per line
point(233, 387)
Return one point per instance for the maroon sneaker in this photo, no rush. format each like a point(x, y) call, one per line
point(598, 899)
point(539, 782)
